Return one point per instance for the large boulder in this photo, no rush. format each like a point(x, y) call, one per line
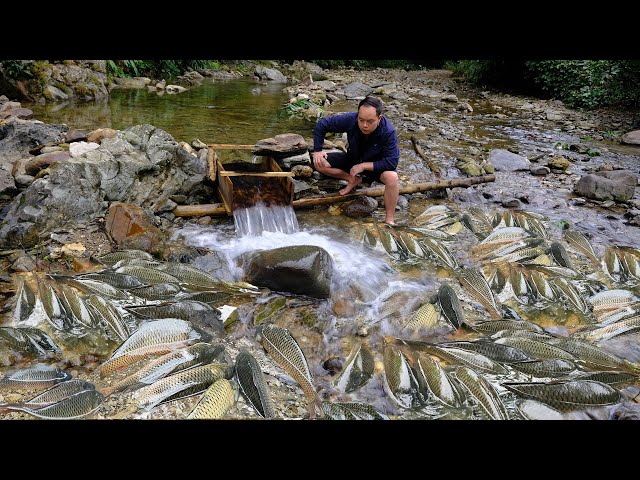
point(631, 138)
point(357, 90)
point(270, 74)
point(618, 185)
point(142, 165)
point(285, 144)
point(299, 269)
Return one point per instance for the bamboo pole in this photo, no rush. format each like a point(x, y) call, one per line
point(218, 209)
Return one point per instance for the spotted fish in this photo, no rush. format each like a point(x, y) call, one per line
point(252, 384)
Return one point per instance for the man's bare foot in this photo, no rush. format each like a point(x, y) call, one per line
point(351, 185)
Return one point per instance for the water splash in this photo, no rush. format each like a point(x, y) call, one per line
point(255, 220)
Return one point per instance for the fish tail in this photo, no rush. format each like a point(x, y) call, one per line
point(634, 367)
point(126, 412)
point(314, 407)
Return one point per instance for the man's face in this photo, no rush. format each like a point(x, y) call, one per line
point(368, 119)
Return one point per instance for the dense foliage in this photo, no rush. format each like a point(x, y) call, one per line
point(156, 68)
point(579, 83)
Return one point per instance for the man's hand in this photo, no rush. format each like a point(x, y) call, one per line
point(320, 160)
point(357, 169)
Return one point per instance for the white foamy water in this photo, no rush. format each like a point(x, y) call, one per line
point(351, 262)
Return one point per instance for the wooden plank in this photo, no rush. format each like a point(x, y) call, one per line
point(198, 210)
point(229, 146)
point(212, 160)
point(225, 189)
point(262, 174)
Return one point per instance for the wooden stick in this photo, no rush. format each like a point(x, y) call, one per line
point(226, 173)
point(197, 210)
point(212, 160)
point(218, 209)
point(229, 146)
point(432, 166)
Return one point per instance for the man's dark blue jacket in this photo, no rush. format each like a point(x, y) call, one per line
point(380, 147)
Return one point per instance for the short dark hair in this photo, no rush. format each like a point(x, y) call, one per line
point(372, 102)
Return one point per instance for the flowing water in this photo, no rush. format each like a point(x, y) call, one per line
point(373, 294)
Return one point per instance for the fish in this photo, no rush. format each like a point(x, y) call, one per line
point(116, 280)
point(611, 300)
point(148, 275)
point(286, 351)
point(76, 306)
point(459, 356)
point(473, 281)
point(159, 291)
point(351, 411)
point(494, 326)
point(494, 351)
point(400, 380)
point(536, 349)
point(567, 395)
point(425, 316)
point(189, 310)
point(484, 393)
point(550, 367)
point(627, 325)
point(190, 275)
point(590, 355)
point(499, 237)
point(56, 315)
point(570, 294)
point(169, 363)
point(100, 288)
point(55, 394)
point(438, 382)
point(358, 369)
point(40, 376)
point(252, 384)
point(579, 242)
point(450, 305)
point(107, 314)
point(28, 341)
point(182, 384)
point(75, 406)
point(25, 301)
point(439, 251)
point(114, 257)
point(560, 255)
point(216, 401)
point(610, 378)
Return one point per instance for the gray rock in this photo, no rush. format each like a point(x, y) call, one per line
point(270, 74)
point(357, 90)
point(287, 163)
point(145, 174)
point(505, 161)
point(511, 203)
point(631, 138)
point(77, 149)
point(540, 170)
point(361, 207)
point(291, 143)
point(618, 185)
point(326, 85)
point(23, 181)
point(55, 93)
point(17, 137)
point(7, 183)
point(299, 269)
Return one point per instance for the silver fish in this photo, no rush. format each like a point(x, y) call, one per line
point(252, 384)
point(400, 380)
point(113, 257)
point(484, 393)
point(450, 304)
point(216, 401)
point(358, 369)
point(473, 281)
point(443, 387)
point(567, 395)
point(25, 301)
point(580, 243)
point(36, 377)
point(77, 405)
point(284, 349)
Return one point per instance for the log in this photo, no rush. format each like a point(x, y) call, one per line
point(432, 166)
point(197, 210)
point(218, 209)
point(379, 191)
point(229, 146)
point(228, 173)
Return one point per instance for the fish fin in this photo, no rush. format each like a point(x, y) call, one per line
point(634, 367)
